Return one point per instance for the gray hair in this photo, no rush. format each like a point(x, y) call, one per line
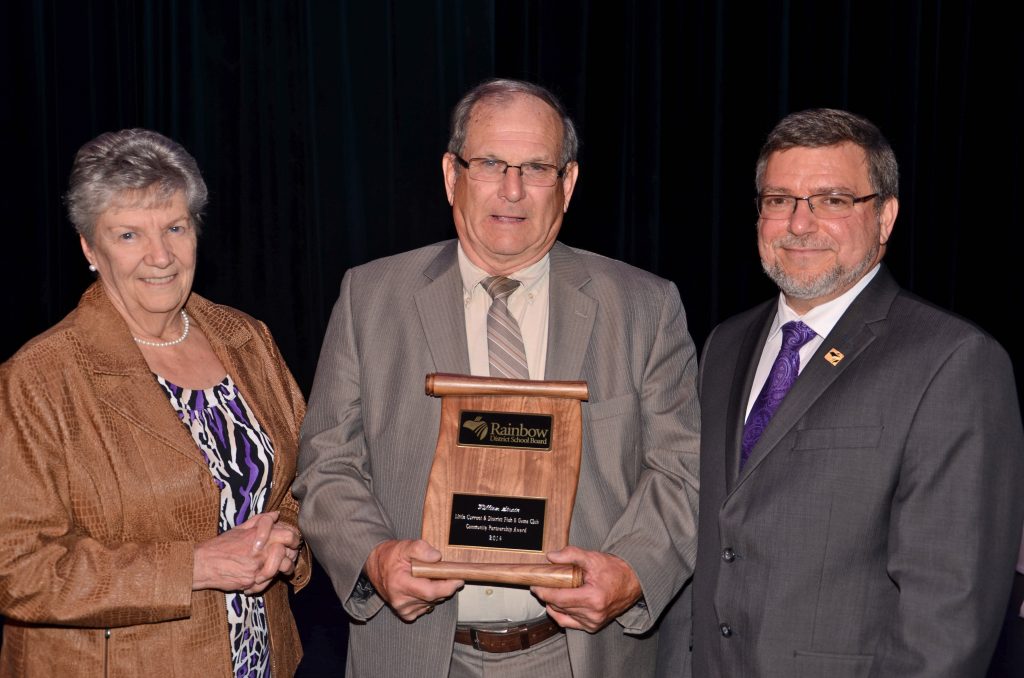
point(136, 166)
point(501, 91)
point(820, 127)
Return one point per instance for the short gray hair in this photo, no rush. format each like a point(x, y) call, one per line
point(818, 127)
point(500, 91)
point(126, 165)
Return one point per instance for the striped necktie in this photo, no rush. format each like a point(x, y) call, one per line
point(505, 350)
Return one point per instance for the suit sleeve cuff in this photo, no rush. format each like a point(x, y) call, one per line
point(636, 619)
point(364, 601)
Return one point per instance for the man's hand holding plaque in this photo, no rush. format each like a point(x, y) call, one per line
point(389, 569)
point(610, 587)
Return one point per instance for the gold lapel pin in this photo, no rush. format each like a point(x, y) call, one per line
point(833, 356)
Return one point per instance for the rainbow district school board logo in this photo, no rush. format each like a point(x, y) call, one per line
point(514, 430)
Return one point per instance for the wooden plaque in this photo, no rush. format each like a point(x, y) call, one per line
point(503, 483)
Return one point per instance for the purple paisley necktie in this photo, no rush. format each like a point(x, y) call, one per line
point(780, 379)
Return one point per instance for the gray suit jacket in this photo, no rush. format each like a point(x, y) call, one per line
point(874, 530)
point(369, 436)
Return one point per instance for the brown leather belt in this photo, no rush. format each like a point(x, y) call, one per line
point(510, 639)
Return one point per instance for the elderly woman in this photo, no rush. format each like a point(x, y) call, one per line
point(147, 447)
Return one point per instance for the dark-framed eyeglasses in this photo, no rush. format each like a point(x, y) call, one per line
point(831, 205)
point(492, 169)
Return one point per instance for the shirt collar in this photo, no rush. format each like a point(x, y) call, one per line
point(530, 277)
point(824, 317)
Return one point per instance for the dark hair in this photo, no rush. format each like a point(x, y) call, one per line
point(499, 91)
point(819, 127)
point(131, 164)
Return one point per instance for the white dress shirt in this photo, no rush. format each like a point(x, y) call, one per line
point(821, 319)
point(528, 304)
point(1020, 567)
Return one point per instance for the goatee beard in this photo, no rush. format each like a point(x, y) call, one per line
point(829, 283)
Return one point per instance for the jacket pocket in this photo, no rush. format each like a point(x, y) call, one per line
point(611, 440)
point(613, 407)
point(828, 665)
point(845, 437)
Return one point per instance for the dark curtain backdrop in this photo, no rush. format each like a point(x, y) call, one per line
point(320, 126)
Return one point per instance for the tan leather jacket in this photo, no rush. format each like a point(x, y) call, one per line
point(104, 495)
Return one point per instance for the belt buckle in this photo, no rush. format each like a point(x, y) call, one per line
point(520, 630)
point(474, 638)
point(524, 636)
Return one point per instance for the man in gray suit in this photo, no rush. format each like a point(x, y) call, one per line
point(863, 518)
point(369, 436)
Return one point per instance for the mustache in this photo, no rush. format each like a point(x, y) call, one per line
point(809, 241)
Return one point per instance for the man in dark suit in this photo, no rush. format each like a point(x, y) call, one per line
point(862, 518)
point(369, 436)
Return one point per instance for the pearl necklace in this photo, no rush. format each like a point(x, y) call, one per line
point(162, 344)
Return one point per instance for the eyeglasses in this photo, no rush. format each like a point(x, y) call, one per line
point(831, 205)
point(532, 173)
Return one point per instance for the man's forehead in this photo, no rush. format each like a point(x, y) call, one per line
point(846, 160)
point(517, 111)
point(506, 100)
point(845, 152)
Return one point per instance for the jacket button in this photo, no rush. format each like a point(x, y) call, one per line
point(726, 630)
point(728, 555)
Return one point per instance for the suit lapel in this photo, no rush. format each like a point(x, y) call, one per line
point(229, 337)
point(141, 402)
point(122, 378)
point(855, 331)
point(440, 308)
point(571, 315)
point(743, 377)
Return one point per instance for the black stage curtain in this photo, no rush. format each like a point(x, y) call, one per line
point(320, 126)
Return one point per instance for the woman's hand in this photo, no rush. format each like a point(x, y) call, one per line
point(280, 555)
point(247, 557)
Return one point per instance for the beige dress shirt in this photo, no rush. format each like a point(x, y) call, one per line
point(529, 306)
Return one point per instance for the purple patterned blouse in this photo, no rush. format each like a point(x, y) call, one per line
point(241, 460)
